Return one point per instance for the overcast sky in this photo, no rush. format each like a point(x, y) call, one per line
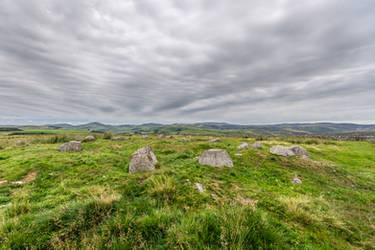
point(119, 61)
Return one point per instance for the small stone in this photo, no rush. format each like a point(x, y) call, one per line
point(90, 138)
point(17, 182)
point(239, 155)
point(161, 136)
point(118, 138)
point(199, 186)
point(145, 137)
point(214, 197)
point(185, 139)
point(243, 145)
point(215, 140)
point(257, 145)
point(296, 180)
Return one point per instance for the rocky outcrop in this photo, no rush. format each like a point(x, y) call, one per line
point(142, 160)
point(72, 146)
point(289, 151)
point(216, 158)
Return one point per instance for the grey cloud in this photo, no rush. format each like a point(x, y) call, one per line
point(184, 61)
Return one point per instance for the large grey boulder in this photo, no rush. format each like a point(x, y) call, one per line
point(145, 137)
point(257, 145)
point(289, 151)
point(72, 146)
point(89, 138)
point(215, 140)
point(243, 145)
point(161, 136)
point(216, 158)
point(118, 138)
point(142, 160)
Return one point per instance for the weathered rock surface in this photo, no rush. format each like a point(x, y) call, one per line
point(72, 146)
point(142, 160)
point(289, 151)
point(215, 140)
point(89, 138)
point(161, 136)
point(118, 138)
point(216, 158)
point(243, 145)
point(185, 140)
point(145, 137)
point(171, 137)
point(257, 145)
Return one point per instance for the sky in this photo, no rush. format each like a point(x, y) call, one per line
point(243, 61)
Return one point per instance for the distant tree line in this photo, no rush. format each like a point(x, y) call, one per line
point(10, 129)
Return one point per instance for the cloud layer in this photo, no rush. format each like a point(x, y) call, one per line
point(183, 61)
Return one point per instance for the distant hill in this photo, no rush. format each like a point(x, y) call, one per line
point(287, 129)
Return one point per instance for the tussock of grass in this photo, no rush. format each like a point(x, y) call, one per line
point(161, 187)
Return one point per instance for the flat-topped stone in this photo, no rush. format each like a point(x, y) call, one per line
point(289, 151)
point(216, 158)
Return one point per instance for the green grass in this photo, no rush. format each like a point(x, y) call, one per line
point(88, 200)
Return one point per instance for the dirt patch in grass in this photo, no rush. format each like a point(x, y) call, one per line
point(30, 177)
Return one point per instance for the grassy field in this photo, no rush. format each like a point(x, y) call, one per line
point(88, 200)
